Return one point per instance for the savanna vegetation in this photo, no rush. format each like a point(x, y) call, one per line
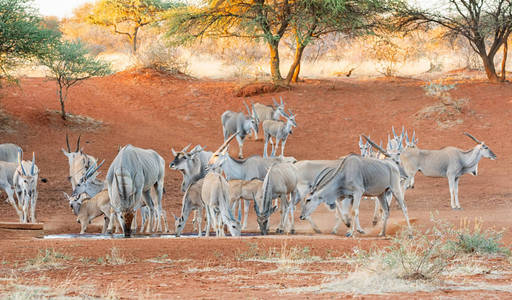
point(279, 41)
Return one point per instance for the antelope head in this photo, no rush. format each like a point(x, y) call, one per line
point(485, 151)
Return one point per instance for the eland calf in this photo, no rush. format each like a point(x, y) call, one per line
point(280, 131)
point(191, 201)
point(268, 112)
point(245, 190)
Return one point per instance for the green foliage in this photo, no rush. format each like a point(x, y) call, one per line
point(270, 21)
point(486, 25)
point(22, 34)
point(69, 63)
point(482, 243)
point(126, 17)
point(477, 240)
point(47, 259)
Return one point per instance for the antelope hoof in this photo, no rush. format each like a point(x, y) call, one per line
point(456, 208)
point(292, 231)
point(278, 230)
point(317, 230)
point(349, 234)
point(334, 231)
point(361, 231)
point(374, 222)
point(382, 234)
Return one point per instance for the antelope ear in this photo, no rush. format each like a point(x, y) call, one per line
point(173, 152)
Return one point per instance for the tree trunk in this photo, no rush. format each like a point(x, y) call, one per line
point(295, 77)
point(490, 70)
point(504, 61)
point(134, 40)
point(293, 73)
point(274, 63)
point(62, 109)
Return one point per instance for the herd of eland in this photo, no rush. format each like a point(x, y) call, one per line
point(216, 186)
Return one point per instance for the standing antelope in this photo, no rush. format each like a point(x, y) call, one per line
point(215, 195)
point(239, 123)
point(88, 208)
point(7, 170)
point(307, 171)
point(191, 201)
point(131, 175)
point(280, 181)
point(448, 162)
point(280, 130)
point(78, 161)
point(26, 187)
point(245, 190)
point(355, 177)
point(192, 165)
point(268, 112)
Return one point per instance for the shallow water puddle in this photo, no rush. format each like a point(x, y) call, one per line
point(99, 236)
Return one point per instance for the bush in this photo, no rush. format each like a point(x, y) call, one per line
point(477, 241)
point(157, 56)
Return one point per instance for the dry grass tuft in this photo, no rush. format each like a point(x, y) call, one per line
point(448, 110)
point(421, 261)
point(47, 259)
point(114, 258)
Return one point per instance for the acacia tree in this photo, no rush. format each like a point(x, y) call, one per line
point(22, 35)
point(270, 21)
point(486, 24)
point(313, 19)
point(69, 64)
point(253, 19)
point(127, 17)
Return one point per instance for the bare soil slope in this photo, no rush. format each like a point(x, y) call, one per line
point(152, 110)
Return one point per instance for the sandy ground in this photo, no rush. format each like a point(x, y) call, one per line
point(157, 111)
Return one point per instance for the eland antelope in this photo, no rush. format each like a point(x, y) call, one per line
point(26, 187)
point(245, 190)
point(268, 112)
point(193, 165)
point(191, 201)
point(279, 130)
point(130, 178)
point(215, 195)
point(239, 123)
point(448, 162)
point(280, 181)
point(78, 161)
point(354, 177)
point(307, 171)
